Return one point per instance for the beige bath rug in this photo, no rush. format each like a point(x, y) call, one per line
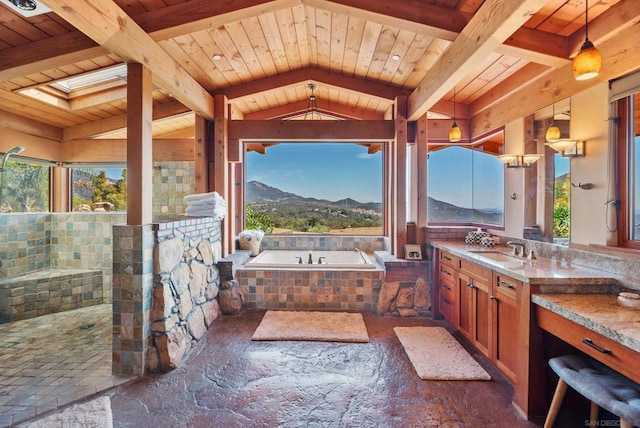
point(92, 414)
point(313, 326)
point(436, 355)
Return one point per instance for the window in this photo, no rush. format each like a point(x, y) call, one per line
point(314, 188)
point(625, 97)
point(465, 186)
point(95, 188)
point(24, 186)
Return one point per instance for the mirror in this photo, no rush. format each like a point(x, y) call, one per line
point(553, 187)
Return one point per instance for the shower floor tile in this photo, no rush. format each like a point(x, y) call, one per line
point(49, 361)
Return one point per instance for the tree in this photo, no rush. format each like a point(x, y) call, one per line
point(258, 221)
point(561, 211)
point(26, 188)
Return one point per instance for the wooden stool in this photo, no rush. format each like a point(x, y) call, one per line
point(598, 383)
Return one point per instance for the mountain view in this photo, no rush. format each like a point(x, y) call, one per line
point(290, 212)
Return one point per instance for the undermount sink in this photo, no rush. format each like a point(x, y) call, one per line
point(497, 256)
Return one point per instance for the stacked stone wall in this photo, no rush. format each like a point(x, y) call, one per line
point(185, 289)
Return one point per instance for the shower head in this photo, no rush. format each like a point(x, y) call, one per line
point(12, 151)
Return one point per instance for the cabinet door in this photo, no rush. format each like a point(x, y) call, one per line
point(481, 310)
point(465, 287)
point(506, 319)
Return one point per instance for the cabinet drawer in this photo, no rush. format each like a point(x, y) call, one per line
point(597, 346)
point(508, 287)
point(448, 290)
point(447, 273)
point(447, 309)
point(449, 259)
point(478, 271)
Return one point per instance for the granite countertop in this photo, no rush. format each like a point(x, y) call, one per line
point(598, 312)
point(552, 276)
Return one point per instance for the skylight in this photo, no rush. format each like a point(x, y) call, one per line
point(93, 78)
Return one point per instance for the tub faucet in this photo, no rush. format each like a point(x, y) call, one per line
point(310, 261)
point(320, 260)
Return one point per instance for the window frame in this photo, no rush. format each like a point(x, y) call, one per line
point(623, 143)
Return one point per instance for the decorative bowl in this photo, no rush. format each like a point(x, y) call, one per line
point(629, 300)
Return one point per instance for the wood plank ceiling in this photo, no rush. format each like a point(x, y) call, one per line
point(360, 54)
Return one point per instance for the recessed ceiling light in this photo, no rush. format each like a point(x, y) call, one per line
point(24, 4)
point(216, 57)
point(26, 8)
point(395, 57)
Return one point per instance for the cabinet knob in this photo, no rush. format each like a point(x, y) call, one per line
point(470, 285)
point(493, 298)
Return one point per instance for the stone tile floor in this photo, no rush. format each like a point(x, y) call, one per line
point(53, 360)
point(230, 381)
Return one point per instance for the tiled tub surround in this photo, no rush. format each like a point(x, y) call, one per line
point(341, 289)
point(49, 291)
point(367, 244)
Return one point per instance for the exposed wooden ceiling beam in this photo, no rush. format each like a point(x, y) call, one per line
point(98, 127)
point(112, 28)
point(297, 108)
point(444, 23)
point(306, 130)
point(493, 23)
point(29, 126)
point(307, 75)
point(97, 98)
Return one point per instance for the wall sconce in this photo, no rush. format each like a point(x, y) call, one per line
point(567, 148)
point(519, 161)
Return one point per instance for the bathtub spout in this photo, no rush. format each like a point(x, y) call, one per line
point(362, 256)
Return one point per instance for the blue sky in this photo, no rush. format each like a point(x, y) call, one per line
point(331, 171)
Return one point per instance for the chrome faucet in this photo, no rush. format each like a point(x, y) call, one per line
point(515, 245)
point(310, 261)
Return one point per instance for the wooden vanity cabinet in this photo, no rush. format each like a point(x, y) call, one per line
point(506, 315)
point(474, 283)
point(448, 287)
point(485, 307)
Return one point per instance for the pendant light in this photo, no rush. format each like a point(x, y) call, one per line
point(586, 65)
point(455, 134)
point(553, 133)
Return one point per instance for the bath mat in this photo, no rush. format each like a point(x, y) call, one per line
point(312, 326)
point(436, 355)
point(92, 414)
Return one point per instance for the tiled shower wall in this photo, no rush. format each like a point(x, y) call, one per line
point(34, 241)
point(171, 182)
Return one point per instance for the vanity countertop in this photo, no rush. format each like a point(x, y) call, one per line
point(551, 276)
point(598, 312)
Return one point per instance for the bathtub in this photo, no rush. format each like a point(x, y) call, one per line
point(290, 259)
